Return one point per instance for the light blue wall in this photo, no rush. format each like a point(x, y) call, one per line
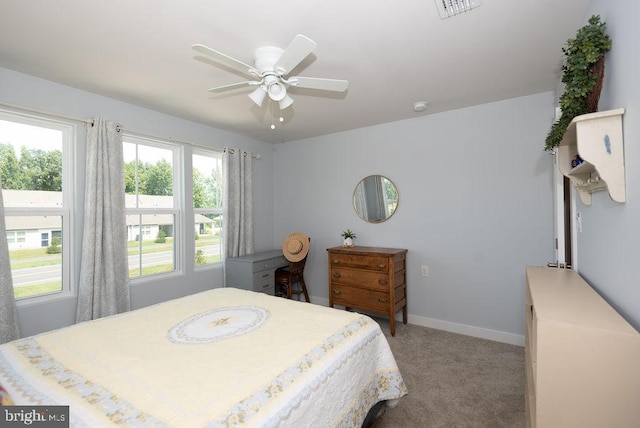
point(609, 246)
point(476, 206)
point(39, 94)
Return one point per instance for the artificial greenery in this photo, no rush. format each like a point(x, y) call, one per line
point(348, 234)
point(588, 47)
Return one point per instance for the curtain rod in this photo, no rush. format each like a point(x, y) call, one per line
point(46, 113)
point(202, 146)
point(120, 127)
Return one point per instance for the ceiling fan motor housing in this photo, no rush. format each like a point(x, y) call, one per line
point(265, 60)
point(266, 57)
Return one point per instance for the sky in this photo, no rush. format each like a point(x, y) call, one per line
point(30, 136)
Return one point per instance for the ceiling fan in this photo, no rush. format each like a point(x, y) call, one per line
point(272, 64)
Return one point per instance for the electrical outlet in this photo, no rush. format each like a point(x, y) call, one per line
point(424, 270)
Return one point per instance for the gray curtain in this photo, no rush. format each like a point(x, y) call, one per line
point(9, 327)
point(104, 274)
point(359, 202)
point(375, 198)
point(238, 207)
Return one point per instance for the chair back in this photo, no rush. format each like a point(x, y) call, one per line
point(286, 277)
point(298, 267)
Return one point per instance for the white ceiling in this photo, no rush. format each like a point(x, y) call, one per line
point(392, 52)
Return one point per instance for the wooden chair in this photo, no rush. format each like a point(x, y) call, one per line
point(290, 280)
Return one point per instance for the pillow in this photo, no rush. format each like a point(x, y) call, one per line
point(5, 400)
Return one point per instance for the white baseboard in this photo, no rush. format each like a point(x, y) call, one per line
point(467, 330)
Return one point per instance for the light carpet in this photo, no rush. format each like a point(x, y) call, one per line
point(455, 380)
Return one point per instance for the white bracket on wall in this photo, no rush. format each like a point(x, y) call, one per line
point(591, 154)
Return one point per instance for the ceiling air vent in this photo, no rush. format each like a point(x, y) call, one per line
point(449, 8)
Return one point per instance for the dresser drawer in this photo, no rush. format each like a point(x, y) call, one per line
point(380, 264)
point(360, 278)
point(361, 298)
point(264, 276)
point(264, 287)
point(263, 264)
point(281, 262)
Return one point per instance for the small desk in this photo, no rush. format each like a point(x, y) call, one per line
point(255, 271)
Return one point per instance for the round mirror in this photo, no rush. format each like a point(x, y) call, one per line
point(375, 198)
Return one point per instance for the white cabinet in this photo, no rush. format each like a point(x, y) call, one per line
point(597, 139)
point(582, 358)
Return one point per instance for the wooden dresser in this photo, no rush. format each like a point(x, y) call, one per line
point(370, 279)
point(582, 358)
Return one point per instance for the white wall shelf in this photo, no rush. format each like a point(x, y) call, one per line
point(597, 139)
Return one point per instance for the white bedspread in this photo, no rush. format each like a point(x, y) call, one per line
point(224, 357)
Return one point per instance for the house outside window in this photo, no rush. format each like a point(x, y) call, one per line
point(36, 166)
point(154, 177)
point(207, 207)
point(153, 215)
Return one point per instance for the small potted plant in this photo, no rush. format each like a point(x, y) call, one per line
point(348, 237)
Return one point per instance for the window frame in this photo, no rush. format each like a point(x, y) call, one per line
point(214, 154)
point(66, 212)
point(178, 206)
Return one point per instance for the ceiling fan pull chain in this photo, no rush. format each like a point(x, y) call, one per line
point(273, 126)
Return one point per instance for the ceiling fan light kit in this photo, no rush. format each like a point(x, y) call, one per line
point(272, 64)
point(257, 96)
point(286, 102)
point(277, 91)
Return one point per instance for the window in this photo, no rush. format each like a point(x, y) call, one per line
point(207, 206)
point(36, 170)
point(152, 191)
point(16, 237)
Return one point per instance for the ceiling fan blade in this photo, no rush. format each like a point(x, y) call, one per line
point(317, 83)
point(226, 60)
point(232, 86)
point(299, 48)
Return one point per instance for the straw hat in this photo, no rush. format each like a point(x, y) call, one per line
point(296, 247)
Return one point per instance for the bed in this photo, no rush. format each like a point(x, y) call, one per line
point(221, 358)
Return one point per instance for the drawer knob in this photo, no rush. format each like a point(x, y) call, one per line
point(266, 275)
point(382, 265)
point(336, 275)
point(336, 261)
point(337, 291)
point(383, 300)
point(383, 282)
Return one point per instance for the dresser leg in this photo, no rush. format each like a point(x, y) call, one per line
point(404, 314)
point(392, 324)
